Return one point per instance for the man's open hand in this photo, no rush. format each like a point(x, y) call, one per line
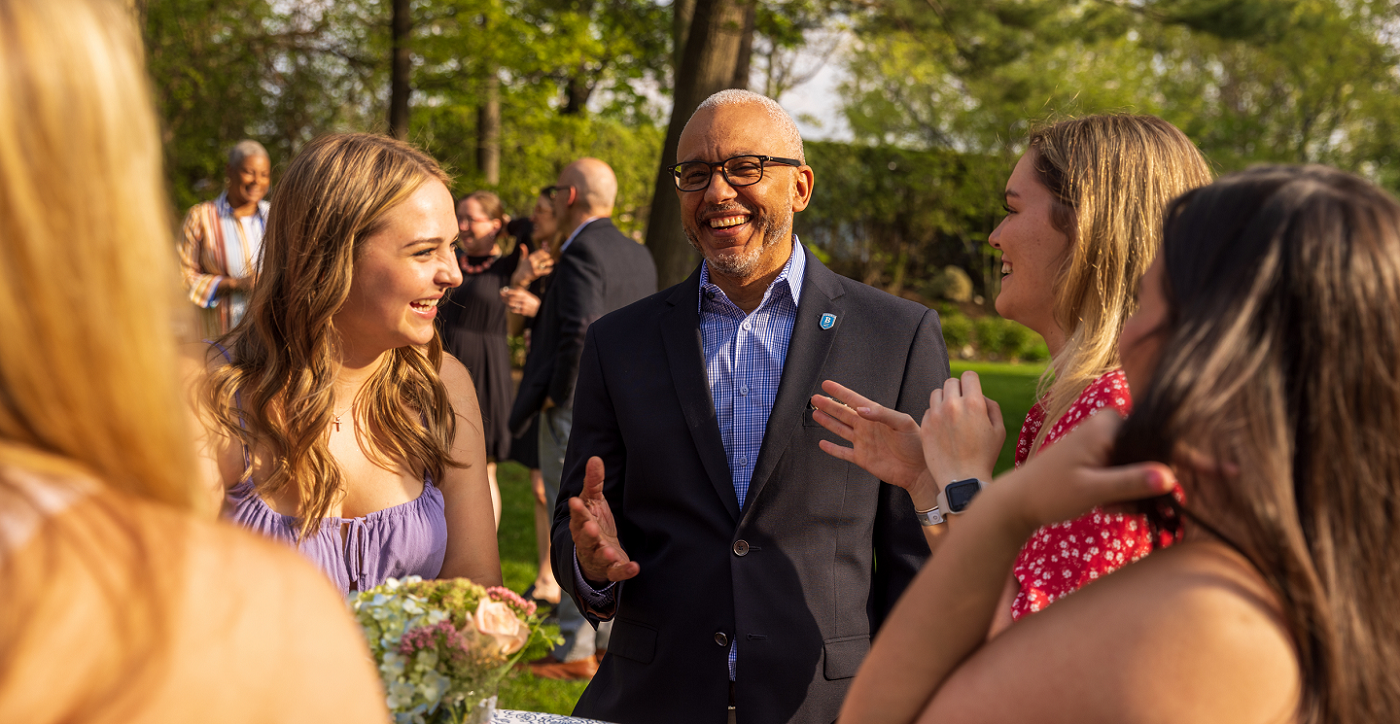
point(600, 555)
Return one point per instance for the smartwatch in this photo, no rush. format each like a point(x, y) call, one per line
point(957, 495)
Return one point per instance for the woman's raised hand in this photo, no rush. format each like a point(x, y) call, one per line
point(532, 265)
point(884, 442)
point(520, 301)
point(1070, 478)
point(962, 431)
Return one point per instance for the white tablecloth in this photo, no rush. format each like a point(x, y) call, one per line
point(510, 716)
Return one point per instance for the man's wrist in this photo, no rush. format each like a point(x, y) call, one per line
point(924, 491)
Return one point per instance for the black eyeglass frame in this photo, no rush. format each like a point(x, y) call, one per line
point(549, 192)
point(763, 162)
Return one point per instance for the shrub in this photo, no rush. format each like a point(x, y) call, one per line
point(990, 334)
point(1019, 342)
point(952, 283)
point(957, 331)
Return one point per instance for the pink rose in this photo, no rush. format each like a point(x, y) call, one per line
point(495, 619)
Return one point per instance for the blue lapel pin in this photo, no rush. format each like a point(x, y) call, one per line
point(828, 321)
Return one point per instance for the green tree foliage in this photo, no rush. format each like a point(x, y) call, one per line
point(889, 215)
point(1249, 80)
point(285, 72)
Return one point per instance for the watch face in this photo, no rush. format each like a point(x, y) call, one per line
point(961, 492)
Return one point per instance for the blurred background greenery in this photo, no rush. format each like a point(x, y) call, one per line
point(934, 98)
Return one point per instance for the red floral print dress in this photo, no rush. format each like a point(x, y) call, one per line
point(1061, 557)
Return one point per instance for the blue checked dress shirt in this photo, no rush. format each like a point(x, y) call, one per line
point(744, 357)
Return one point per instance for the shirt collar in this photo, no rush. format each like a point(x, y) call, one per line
point(570, 240)
point(791, 275)
point(225, 209)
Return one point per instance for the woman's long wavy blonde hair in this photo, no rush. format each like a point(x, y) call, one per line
point(276, 395)
point(89, 297)
point(1111, 177)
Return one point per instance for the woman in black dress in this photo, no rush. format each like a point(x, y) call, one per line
point(473, 320)
point(523, 297)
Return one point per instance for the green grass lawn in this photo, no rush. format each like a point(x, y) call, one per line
point(1012, 386)
point(516, 538)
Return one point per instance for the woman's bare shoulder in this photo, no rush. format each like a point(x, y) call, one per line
point(461, 391)
point(1191, 633)
point(454, 374)
point(259, 613)
point(244, 629)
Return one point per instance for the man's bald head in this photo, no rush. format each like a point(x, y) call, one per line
point(594, 184)
point(785, 136)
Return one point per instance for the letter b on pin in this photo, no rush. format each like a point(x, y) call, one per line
point(828, 321)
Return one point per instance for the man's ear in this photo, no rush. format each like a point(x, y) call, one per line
point(802, 184)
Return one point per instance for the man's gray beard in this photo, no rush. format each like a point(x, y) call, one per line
point(743, 266)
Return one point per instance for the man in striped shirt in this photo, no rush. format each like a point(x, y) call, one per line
point(220, 240)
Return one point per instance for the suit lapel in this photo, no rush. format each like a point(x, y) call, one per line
point(680, 332)
point(802, 369)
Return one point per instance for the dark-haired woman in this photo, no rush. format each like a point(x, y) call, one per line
point(1264, 354)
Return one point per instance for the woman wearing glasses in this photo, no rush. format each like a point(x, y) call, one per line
point(472, 317)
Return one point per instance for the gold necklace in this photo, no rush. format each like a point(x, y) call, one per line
point(336, 421)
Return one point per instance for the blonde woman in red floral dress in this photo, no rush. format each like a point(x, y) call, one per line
point(1084, 219)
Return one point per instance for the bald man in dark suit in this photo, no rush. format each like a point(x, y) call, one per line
point(744, 569)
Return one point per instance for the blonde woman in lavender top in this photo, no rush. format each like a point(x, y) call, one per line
point(123, 600)
point(334, 421)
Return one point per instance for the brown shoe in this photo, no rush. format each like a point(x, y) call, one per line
point(549, 667)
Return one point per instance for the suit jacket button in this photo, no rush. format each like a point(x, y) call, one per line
point(741, 548)
point(721, 639)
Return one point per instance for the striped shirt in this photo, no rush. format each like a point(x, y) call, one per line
point(215, 245)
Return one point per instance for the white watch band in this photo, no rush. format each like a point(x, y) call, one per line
point(932, 517)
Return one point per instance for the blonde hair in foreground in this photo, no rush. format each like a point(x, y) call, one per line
point(277, 395)
point(1112, 177)
point(88, 378)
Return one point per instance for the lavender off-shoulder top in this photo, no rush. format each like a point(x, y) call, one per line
point(405, 540)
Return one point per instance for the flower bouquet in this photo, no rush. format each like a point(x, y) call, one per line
point(443, 646)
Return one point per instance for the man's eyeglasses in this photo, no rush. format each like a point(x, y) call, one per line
point(738, 171)
point(550, 191)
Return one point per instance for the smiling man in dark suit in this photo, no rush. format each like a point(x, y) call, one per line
point(599, 270)
point(744, 569)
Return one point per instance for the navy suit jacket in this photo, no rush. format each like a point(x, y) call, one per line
point(600, 271)
point(804, 573)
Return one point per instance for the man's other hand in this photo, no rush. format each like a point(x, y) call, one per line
point(600, 554)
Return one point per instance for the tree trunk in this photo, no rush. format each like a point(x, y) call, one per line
point(402, 25)
point(745, 59)
point(681, 13)
point(711, 53)
point(488, 130)
point(576, 94)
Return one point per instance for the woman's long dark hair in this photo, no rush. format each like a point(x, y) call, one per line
point(1281, 363)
